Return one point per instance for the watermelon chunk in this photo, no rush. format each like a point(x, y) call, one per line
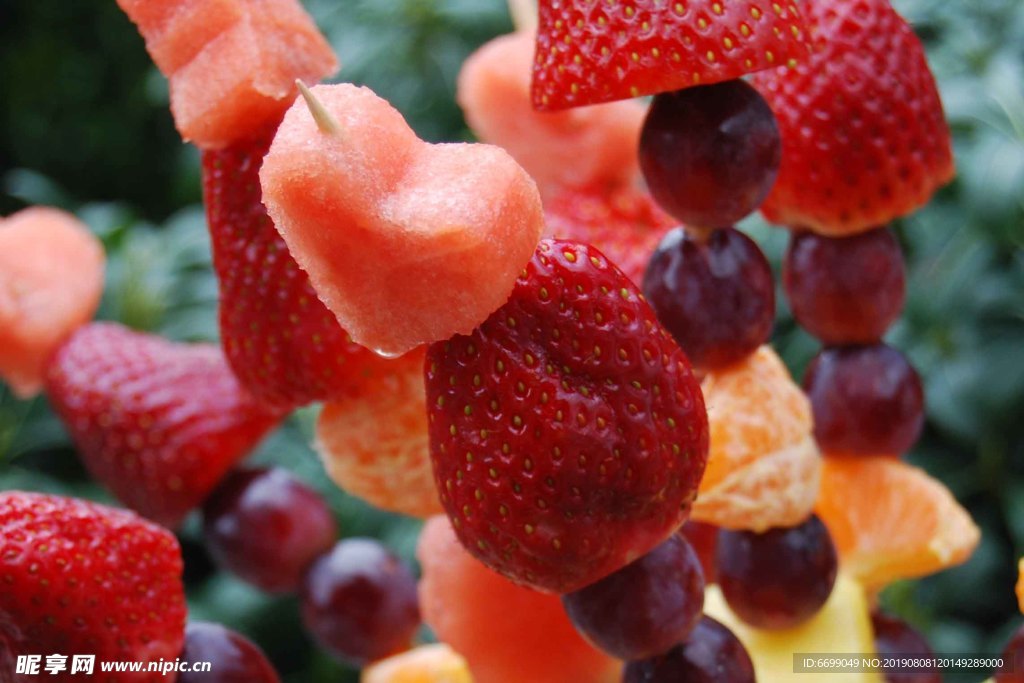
point(588, 146)
point(51, 281)
point(178, 31)
point(232, 64)
point(507, 633)
point(406, 242)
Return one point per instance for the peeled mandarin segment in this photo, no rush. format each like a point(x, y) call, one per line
point(374, 444)
point(406, 242)
point(232, 64)
point(424, 664)
point(763, 466)
point(890, 520)
point(1019, 589)
point(590, 145)
point(778, 490)
point(507, 633)
point(843, 626)
point(51, 281)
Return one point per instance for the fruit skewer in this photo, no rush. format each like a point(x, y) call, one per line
point(676, 169)
point(548, 340)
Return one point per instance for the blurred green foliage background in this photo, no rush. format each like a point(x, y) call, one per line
point(85, 127)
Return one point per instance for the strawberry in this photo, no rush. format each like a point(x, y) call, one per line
point(864, 138)
point(623, 222)
point(284, 345)
point(568, 434)
point(82, 578)
point(157, 422)
point(590, 52)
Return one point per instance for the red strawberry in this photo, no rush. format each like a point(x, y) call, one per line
point(623, 222)
point(568, 433)
point(864, 139)
point(158, 423)
point(82, 578)
point(285, 346)
point(590, 52)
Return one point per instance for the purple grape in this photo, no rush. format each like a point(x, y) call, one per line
point(779, 578)
point(232, 657)
point(845, 290)
point(267, 527)
point(703, 538)
point(359, 602)
point(644, 608)
point(866, 400)
point(710, 154)
point(895, 638)
point(716, 297)
point(712, 654)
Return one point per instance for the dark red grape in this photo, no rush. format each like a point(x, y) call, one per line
point(232, 657)
point(703, 539)
point(644, 608)
point(716, 297)
point(867, 400)
point(779, 578)
point(267, 527)
point(894, 638)
point(359, 602)
point(1012, 670)
point(710, 154)
point(845, 290)
point(712, 654)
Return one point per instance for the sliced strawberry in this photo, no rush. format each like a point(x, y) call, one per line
point(81, 578)
point(158, 423)
point(623, 222)
point(568, 433)
point(590, 52)
point(864, 138)
point(284, 345)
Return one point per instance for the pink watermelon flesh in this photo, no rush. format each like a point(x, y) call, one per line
point(183, 35)
point(51, 281)
point(406, 242)
point(507, 633)
point(232, 64)
point(585, 146)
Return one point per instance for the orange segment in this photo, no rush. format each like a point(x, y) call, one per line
point(424, 664)
point(374, 443)
point(763, 466)
point(51, 281)
point(890, 520)
point(1020, 584)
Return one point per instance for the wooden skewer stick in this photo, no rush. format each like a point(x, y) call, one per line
point(524, 14)
point(325, 121)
